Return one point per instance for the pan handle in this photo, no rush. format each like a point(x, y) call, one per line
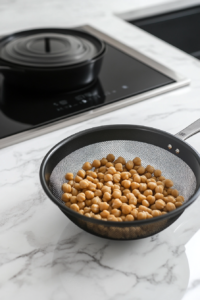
point(185, 133)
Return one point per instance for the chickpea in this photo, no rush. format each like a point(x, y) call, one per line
point(129, 218)
point(135, 185)
point(81, 205)
point(108, 177)
point(136, 192)
point(165, 193)
point(103, 161)
point(103, 206)
point(132, 172)
point(84, 184)
point(136, 178)
point(141, 170)
point(158, 196)
point(137, 161)
point(141, 198)
point(87, 166)
point(149, 169)
point(115, 187)
point(88, 202)
point(95, 200)
point(178, 204)
point(80, 197)
point(148, 193)
point(123, 199)
point(174, 193)
point(68, 204)
point(100, 175)
point(143, 179)
point(116, 194)
point(157, 173)
point(73, 199)
point(142, 215)
point(144, 208)
point(116, 203)
point(96, 163)
point(98, 193)
point(161, 178)
point(170, 199)
point(169, 183)
point(129, 165)
point(145, 203)
point(160, 204)
point(71, 182)
point(103, 169)
point(92, 186)
point(110, 157)
point(126, 192)
point(151, 185)
point(142, 187)
point(66, 197)
point(75, 207)
point(156, 213)
point(126, 209)
point(125, 175)
point(180, 199)
point(147, 175)
point(66, 188)
point(134, 213)
point(132, 199)
point(87, 210)
point(98, 217)
point(89, 195)
point(81, 173)
point(77, 186)
point(116, 212)
point(106, 189)
point(111, 170)
point(159, 189)
point(69, 176)
point(170, 206)
point(151, 199)
point(112, 218)
point(104, 214)
point(119, 167)
point(99, 185)
point(153, 207)
point(106, 196)
point(88, 215)
point(126, 184)
point(96, 181)
point(120, 160)
point(90, 178)
point(95, 208)
point(116, 177)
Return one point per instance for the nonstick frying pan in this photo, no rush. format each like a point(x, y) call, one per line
point(177, 160)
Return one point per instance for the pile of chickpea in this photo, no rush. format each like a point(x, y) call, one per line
point(116, 190)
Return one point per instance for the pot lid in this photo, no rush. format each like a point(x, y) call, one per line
point(50, 49)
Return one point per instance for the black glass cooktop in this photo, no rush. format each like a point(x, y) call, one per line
point(121, 76)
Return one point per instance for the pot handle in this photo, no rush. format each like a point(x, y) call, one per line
point(189, 130)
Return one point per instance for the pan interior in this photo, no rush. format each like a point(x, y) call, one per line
point(172, 167)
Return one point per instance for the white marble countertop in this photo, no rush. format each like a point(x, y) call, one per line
point(45, 256)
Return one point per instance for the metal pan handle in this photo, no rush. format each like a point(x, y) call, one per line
point(189, 131)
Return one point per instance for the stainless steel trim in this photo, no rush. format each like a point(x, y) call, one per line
point(47, 128)
point(190, 130)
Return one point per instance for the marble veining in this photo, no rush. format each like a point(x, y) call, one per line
point(44, 255)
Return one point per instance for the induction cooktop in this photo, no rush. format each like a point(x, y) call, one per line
point(126, 77)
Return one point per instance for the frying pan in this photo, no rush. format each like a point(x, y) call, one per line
point(177, 160)
point(51, 59)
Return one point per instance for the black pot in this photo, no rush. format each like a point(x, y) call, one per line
point(51, 59)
